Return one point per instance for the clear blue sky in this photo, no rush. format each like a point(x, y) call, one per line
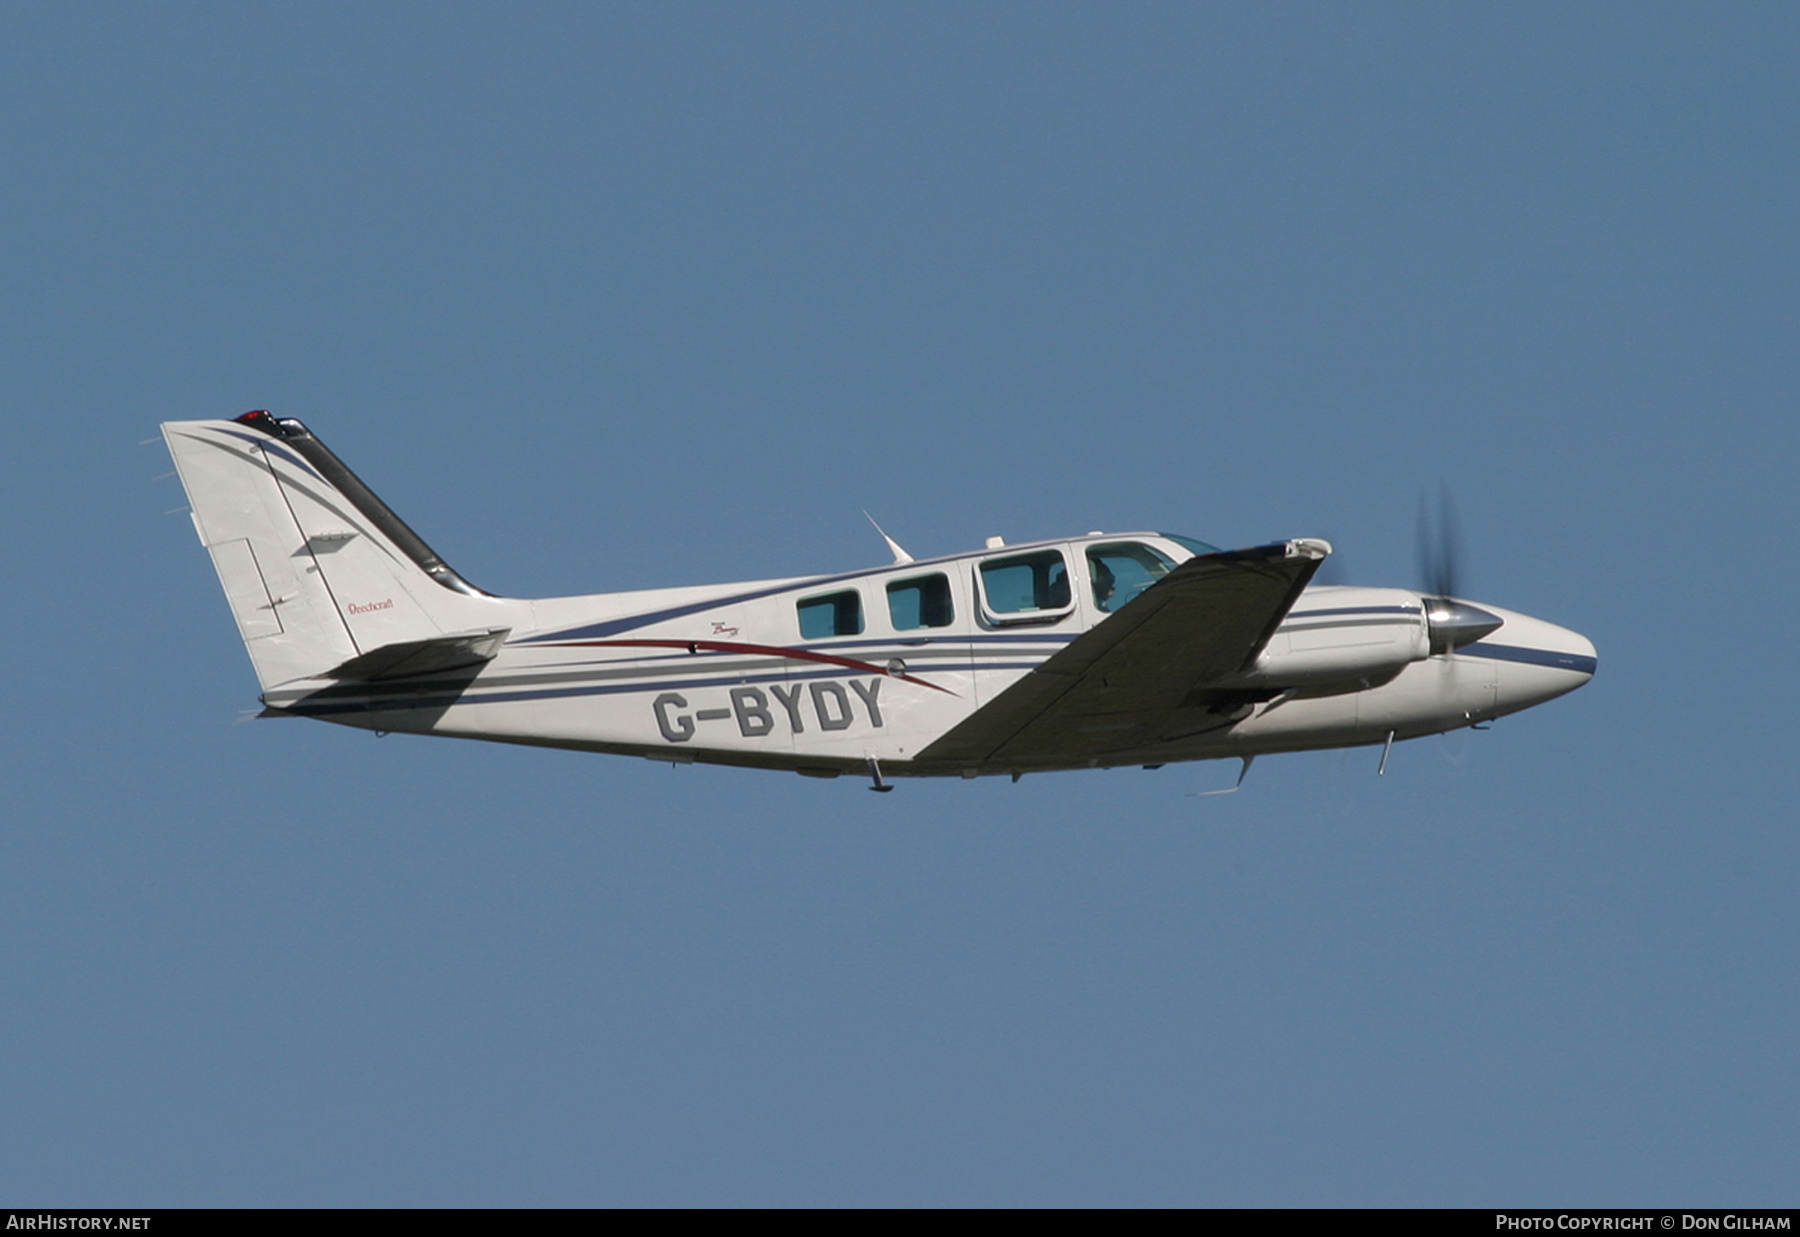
point(620, 296)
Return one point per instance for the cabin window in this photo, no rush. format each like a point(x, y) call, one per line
point(924, 602)
point(835, 614)
point(1026, 583)
point(1120, 572)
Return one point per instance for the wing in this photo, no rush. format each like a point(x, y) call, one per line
point(1139, 677)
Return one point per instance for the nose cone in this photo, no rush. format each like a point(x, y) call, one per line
point(1533, 661)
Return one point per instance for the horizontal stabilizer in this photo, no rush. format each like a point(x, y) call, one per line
point(415, 657)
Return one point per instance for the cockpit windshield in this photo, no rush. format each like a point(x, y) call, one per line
point(1188, 543)
point(1120, 572)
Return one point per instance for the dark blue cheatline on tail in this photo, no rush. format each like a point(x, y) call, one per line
point(332, 471)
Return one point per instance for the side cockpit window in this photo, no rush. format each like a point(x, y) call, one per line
point(924, 602)
point(835, 614)
point(1120, 572)
point(1026, 587)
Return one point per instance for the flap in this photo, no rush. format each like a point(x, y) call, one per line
point(1136, 678)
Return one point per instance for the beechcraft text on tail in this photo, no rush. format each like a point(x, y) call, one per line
point(1084, 652)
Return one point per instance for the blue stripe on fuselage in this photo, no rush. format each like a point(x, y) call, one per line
point(1535, 657)
point(1294, 614)
point(428, 699)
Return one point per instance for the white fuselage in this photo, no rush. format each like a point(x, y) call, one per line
point(731, 674)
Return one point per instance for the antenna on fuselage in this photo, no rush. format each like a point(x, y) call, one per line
point(900, 555)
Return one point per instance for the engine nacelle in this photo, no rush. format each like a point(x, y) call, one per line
point(1347, 638)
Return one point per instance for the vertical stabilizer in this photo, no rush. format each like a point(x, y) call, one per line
point(319, 572)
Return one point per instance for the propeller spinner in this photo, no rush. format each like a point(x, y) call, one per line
point(1452, 623)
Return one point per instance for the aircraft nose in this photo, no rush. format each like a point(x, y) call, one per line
point(1534, 661)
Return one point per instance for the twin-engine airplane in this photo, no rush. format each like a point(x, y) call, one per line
point(1098, 651)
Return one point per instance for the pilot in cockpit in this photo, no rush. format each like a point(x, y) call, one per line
point(1103, 582)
